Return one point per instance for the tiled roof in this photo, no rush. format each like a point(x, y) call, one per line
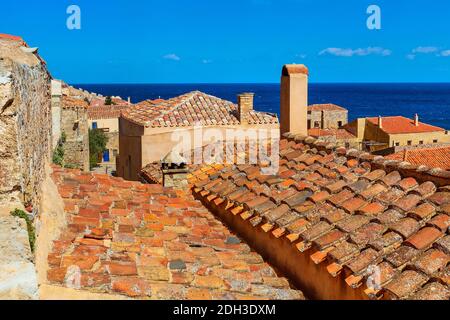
point(191, 109)
point(106, 112)
point(148, 242)
point(100, 102)
point(71, 102)
point(436, 157)
point(325, 107)
point(338, 133)
point(10, 37)
point(346, 210)
point(398, 125)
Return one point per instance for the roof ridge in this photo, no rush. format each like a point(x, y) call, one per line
point(421, 173)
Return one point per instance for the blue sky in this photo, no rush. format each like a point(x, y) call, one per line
point(203, 41)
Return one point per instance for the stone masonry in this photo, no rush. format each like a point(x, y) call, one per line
point(25, 124)
point(74, 123)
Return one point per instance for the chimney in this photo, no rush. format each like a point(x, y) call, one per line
point(174, 171)
point(129, 101)
point(245, 104)
point(294, 99)
point(416, 120)
point(380, 122)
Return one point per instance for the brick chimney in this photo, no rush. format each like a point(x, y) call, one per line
point(294, 99)
point(416, 120)
point(380, 122)
point(245, 104)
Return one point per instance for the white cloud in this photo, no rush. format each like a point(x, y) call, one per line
point(206, 61)
point(445, 53)
point(172, 56)
point(301, 55)
point(348, 52)
point(425, 50)
point(411, 56)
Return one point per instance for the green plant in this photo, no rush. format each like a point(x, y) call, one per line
point(108, 101)
point(97, 145)
point(30, 228)
point(58, 153)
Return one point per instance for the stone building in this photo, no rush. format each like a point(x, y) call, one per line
point(74, 124)
point(106, 118)
point(326, 116)
point(151, 129)
point(380, 133)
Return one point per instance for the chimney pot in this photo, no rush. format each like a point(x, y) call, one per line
point(380, 122)
point(416, 120)
point(245, 104)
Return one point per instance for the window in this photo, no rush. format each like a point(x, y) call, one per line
point(347, 145)
point(316, 124)
point(94, 125)
point(397, 144)
point(420, 142)
point(409, 142)
point(115, 153)
point(435, 141)
point(339, 124)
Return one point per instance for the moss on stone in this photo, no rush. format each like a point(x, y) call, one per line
point(30, 228)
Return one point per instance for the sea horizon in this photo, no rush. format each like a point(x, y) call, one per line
point(362, 99)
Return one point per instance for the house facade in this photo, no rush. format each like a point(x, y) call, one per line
point(153, 128)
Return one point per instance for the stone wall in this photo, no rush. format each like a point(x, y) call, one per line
point(74, 123)
point(25, 130)
point(327, 119)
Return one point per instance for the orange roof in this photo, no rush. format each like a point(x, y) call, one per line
point(190, 109)
point(146, 241)
point(339, 133)
point(399, 124)
point(344, 212)
point(10, 37)
point(325, 107)
point(437, 157)
point(71, 102)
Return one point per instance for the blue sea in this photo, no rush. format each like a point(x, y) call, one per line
point(430, 101)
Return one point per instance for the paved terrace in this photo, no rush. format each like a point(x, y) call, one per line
point(147, 242)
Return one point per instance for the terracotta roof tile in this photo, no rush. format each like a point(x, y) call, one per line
point(194, 108)
point(436, 157)
point(325, 107)
point(146, 241)
point(363, 214)
point(400, 125)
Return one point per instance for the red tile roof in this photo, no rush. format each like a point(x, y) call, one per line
point(71, 102)
point(190, 109)
point(346, 211)
point(106, 112)
point(338, 133)
point(435, 157)
point(10, 37)
point(325, 107)
point(146, 241)
point(399, 125)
